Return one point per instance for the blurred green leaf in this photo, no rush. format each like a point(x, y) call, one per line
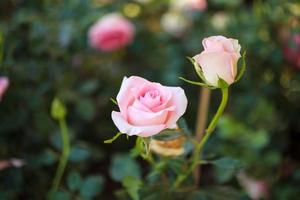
point(91, 186)
point(85, 108)
point(89, 86)
point(60, 196)
point(79, 153)
point(227, 163)
point(132, 186)
point(168, 134)
point(123, 165)
point(74, 181)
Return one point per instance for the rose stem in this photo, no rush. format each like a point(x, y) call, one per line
point(211, 127)
point(203, 106)
point(65, 154)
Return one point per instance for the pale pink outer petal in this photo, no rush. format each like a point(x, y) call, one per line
point(209, 43)
point(125, 96)
point(142, 118)
point(179, 101)
point(219, 64)
point(220, 44)
point(142, 131)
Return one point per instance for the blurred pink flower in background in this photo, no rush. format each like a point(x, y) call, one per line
point(111, 32)
point(196, 4)
point(13, 162)
point(291, 50)
point(256, 189)
point(189, 5)
point(4, 82)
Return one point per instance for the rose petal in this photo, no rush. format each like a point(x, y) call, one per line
point(142, 118)
point(179, 100)
point(220, 64)
point(142, 131)
point(125, 96)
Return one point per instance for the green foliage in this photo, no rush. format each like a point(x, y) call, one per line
point(91, 186)
point(122, 165)
point(132, 186)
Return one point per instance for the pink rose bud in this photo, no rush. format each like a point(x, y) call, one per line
point(219, 59)
point(291, 51)
point(111, 32)
point(4, 82)
point(147, 108)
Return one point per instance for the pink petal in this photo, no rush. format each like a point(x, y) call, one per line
point(142, 118)
point(179, 101)
point(220, 64)
point(125, 96)
point(142, 131)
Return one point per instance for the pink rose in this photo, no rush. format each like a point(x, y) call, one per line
point(111, 32)
point(197, 4)
point(219, 59)
point(4, 82)
point(147, 108)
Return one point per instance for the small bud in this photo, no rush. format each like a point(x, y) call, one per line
point(58, 109)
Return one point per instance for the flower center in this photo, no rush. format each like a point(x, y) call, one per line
point(151, 98)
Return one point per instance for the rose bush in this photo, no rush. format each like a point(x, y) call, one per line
point(219, 59)
point(147, 108)
point(111, 32)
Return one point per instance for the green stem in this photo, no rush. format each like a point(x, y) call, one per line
point(65, 154)
point(199, 147)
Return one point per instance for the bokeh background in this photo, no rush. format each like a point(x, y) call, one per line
point(46, 54)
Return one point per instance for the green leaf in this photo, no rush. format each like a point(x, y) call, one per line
point(132, 186)
point(169, 134)
point(59, 196)
point(112, 139)
point(193, 82)
point(114, 101)
point(91, 186)
point(242, 68)
point(123, 165)
point(184, 126)
point(89, 86)
point(222, 83)
point(206, 85)
point(79, 153)
point(74, 181)
point(85, 107)
point(58, 109)
point(226, 168)
point(227, 163)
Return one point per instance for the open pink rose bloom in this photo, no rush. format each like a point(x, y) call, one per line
point(219, 59)
point(147, 108)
